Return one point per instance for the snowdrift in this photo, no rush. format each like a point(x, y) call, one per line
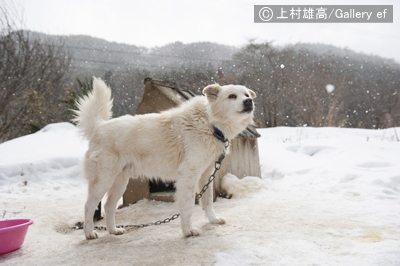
point(327, 196)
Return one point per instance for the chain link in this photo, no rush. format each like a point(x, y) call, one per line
point(217, 166)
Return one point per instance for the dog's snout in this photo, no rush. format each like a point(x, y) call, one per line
point(248, 102)
point(247, 105)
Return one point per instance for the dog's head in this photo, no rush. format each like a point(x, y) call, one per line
point(232, 104)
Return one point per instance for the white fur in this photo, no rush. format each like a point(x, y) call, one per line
point(241, 187)
point(94, 108)
point(175, 145)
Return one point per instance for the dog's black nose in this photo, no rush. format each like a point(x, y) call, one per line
point(248, 102)
point(248, 105)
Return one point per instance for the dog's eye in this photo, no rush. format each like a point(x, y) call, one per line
point(232, 96)
point(246, 95)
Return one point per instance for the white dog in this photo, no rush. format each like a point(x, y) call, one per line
point(179, 145)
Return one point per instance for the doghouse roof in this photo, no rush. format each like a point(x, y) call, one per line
point(177, 95)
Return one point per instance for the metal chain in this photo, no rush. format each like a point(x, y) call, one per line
point(136, 226)
point(217, 166)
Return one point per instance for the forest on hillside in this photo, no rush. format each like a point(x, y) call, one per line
point(297, 85)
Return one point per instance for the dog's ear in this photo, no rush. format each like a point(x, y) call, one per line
point(252, 94)
point(212, 91)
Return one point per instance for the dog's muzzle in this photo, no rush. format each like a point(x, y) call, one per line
point(248, 106)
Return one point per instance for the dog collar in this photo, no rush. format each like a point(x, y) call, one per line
point(219, 135)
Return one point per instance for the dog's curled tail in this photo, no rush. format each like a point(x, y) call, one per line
point(93, 108)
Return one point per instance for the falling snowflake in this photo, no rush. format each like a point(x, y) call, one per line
point(329, 88)
point(282, 66)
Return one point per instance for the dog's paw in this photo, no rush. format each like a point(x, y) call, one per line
point(91, 235)
point(218, 221)
point(192, 232)
point(117, 231)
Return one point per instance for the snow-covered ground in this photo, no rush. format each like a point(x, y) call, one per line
point(330, 197)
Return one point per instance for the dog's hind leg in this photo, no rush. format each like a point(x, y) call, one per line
point(206, 201)
point(113, 195)
point(98, 186)
point(96, 192)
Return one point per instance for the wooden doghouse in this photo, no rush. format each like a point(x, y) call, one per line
point(243, 159)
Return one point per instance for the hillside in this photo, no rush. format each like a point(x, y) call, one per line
point(290, 81)
point(98, 55)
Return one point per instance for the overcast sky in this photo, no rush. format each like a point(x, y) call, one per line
point(154, 23)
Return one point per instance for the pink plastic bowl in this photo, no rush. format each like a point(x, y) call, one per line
point(12, 234)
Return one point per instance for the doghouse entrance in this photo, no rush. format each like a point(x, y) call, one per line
point(163, 191)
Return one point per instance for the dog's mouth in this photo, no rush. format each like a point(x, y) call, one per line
point(247, 110)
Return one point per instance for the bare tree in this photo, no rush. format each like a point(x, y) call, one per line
point(301, 86)
point(30, 76)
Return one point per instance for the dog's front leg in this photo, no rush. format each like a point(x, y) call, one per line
point(184, 197)
point(206, 201)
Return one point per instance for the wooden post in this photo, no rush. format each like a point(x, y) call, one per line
point(136, 190)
